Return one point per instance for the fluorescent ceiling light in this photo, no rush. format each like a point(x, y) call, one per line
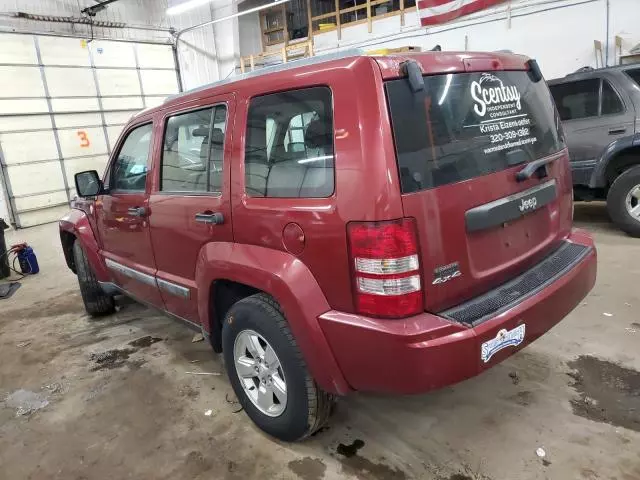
point(185, 6)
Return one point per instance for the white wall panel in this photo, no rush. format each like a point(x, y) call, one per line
point(12, 107)
point(118, 82)
point(17, 49)
point(38, 217)
point(117, 118)
point(114, 133)
point(158, 82)
point(64, 51)
point(76, 165)
point(31, 122)
point(20, 147)
point(46, 200)
point(113, 54)
point(20, 82)
point(35, 178)
point(78, 120)
point(83, 141)
point(155, 56)
point(122, 103)
point(70, 82)
point(74, 104)
point(155, 101)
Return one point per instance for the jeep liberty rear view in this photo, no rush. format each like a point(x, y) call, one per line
point(351, 223)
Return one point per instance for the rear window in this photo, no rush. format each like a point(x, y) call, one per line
point(462, 126)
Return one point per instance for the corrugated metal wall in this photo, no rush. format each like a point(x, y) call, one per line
point(206, 54)
point(134, 12)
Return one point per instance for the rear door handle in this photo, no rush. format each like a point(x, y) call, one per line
point(210, 218)
point(617, 131)
point(137, 212)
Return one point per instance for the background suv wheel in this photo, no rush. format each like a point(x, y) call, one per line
point(267, 371)
point(623, 201)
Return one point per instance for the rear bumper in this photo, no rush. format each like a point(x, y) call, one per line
point(426, 351)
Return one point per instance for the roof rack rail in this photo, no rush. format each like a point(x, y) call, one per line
point(303, 62)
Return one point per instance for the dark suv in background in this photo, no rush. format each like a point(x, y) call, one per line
point(600, 111)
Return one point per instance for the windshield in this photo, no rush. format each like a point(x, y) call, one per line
point(465, 125)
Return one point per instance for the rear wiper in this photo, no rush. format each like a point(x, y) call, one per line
point(533, 167)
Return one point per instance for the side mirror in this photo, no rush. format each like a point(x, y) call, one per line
point(88, 184)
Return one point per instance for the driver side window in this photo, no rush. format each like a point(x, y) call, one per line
point(130, 168)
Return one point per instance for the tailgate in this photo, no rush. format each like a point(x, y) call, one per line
point(484, 172)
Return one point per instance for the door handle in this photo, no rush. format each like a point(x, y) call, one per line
point(617, 131)
point(137, 212)
point(210, 218)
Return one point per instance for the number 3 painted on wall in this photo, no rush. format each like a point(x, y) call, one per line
point(84, 140)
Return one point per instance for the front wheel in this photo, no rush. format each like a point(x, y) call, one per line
point(96, 302)
point(623, 201)
point(267, 372)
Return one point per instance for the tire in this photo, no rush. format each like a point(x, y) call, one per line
point(617, 201)
point(96, 302)
point(307, 407)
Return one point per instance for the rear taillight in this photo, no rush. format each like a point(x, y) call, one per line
point(386, 267)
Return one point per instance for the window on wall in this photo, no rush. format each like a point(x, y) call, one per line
point(289, 145)
point(193, 151)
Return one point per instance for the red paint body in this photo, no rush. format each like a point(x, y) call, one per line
point(310, 274)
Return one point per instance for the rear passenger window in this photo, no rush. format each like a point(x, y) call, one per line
point(611, 103)
point(289, 145)
point(193, 151)
point(577, 99)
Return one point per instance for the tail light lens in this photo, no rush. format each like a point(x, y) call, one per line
point(386, 268)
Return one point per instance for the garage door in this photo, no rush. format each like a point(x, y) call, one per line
point(63, 103)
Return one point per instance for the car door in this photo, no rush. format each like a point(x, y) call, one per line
point(594, 114)
point(123, 216)
point(190, 196)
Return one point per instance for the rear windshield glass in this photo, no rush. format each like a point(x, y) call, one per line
point(465, 125)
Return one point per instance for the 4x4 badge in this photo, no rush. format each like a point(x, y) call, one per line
point(445, 273)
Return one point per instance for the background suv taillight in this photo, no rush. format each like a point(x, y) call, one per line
point(386, 268)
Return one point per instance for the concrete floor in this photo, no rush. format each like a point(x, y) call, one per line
point(575, 393)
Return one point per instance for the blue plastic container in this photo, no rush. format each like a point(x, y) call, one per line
point(28, 261)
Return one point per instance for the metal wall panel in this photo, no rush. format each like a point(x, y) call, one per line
point(64, 51)
point(78, 120)
point(17, 49)
point(22, 123)
point(118, 82)
point(22, 106)
point(113, 54)
point(32, 147)
point(20, 82)
point(155, 56)
point(80, 95)
point(61, 105)
point(82, 142)
point(70, 82)
point(159, 82)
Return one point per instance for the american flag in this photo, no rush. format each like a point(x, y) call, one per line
point(433, 12)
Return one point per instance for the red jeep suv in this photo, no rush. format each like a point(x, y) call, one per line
point(383, 224)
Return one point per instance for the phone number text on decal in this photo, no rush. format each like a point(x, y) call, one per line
point(510, 135)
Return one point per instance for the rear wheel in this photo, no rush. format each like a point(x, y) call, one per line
point(267, 372)
point(623, 201)
point(96, 302)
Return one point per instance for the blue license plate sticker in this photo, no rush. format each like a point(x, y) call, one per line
point(504, 338)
